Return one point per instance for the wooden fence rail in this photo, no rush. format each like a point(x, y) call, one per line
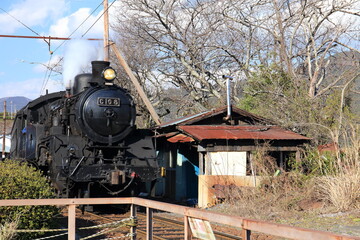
point(247, 225)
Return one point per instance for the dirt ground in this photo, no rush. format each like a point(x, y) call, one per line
point(316, 216)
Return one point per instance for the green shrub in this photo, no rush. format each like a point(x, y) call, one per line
point(21, 181)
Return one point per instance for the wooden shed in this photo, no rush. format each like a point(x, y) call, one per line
point(212, 148)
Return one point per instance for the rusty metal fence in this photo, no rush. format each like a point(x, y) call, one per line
point(247, 225)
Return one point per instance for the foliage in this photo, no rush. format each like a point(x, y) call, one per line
point(272, 93)
point(314, 163)
point(20, 181)
point(267, 82)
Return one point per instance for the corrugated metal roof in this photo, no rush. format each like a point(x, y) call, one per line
point(191, 119)
point(180, 138)
point(167, 135)
point(240, 132)
point(182, 120)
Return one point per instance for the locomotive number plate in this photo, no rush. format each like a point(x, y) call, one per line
point(108, 101)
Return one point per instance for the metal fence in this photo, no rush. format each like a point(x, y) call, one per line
point(247, 225)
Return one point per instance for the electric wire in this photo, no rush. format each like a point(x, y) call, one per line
point(47, 67)
point(105, 10)
point(19, 21)
point(47, 76)
point(80, 25)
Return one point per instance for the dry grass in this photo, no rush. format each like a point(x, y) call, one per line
point(334, 186)
point(276, 198)
point(321, 192)
point(7, 231)
point(341, 191)
point(342, 188)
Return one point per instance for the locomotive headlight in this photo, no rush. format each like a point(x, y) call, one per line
point(109, 74)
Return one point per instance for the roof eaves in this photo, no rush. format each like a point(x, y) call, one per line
point(182, 120)
point(184, 132)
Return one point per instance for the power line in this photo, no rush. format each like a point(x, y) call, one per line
point(105, 10)
point(46, 79)
point(19, 21)
point(49, 69)
point(80, 25)
point(44, 37)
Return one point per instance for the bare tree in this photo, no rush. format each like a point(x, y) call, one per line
point(189, 42)
point(299, 33)
point(189, 45)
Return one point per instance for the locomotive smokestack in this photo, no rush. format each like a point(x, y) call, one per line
point(97, 69)
point(67, 92)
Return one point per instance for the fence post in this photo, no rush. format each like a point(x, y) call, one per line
point(187, 231)
point(149, 223)
point(246, 234)
point(133, 215)
point(71, 221)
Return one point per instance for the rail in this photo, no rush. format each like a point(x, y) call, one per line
point(247, 225)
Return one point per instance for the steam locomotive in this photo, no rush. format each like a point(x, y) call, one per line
point(85, 139)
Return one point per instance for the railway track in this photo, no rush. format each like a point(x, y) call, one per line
point(163, 227)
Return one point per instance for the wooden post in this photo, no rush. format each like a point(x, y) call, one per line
point(106, 31)
point(149, 223)
point(246, 234)
point(4, 132)
point(298, 156)
point(282, 163)
point(253, 172)
point(201, 163)
point(71, 222)
point(187, 230)
point(133, 215)
point(138, 87)
point(208, 164)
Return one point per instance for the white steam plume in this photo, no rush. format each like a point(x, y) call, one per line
point(77, 59)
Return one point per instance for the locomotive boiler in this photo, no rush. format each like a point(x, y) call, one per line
point(85, 138)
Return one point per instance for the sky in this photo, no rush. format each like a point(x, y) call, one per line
point(23, 61)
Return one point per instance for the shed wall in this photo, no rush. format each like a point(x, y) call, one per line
point(228, 163)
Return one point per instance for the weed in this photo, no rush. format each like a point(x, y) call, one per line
point(7, 230)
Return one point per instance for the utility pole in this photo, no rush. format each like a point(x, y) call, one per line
point(106, 31)
point(4, 132)
point(136, 83)
point(124, 64)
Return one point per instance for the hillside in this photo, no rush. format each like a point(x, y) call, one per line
point(13, 104)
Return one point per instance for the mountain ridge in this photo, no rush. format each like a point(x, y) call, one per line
point(13, 104)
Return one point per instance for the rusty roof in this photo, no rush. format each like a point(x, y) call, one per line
point(202, 132)
point(180, 138)
point(191, 119)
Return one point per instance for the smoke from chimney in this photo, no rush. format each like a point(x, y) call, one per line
point(77, 59)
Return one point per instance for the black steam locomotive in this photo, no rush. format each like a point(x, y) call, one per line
point(85, 138)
